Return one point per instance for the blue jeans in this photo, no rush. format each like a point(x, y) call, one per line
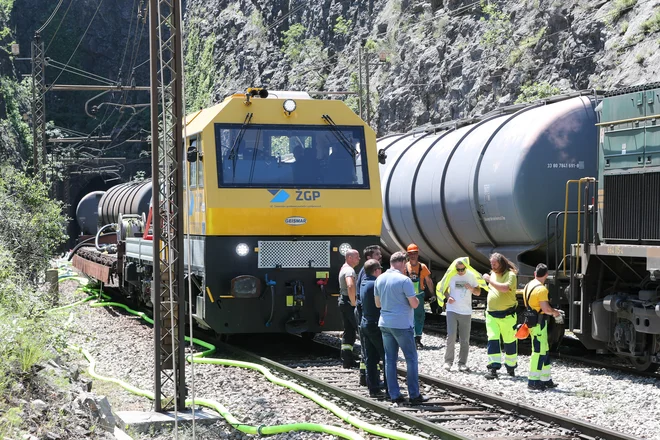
point(393, 338)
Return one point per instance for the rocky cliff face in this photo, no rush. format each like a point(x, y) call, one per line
point(430, 60)
point(441, 60)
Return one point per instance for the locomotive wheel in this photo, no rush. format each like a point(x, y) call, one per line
point(643, 363)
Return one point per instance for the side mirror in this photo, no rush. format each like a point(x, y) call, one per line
point(192, 154)
point(382, 157)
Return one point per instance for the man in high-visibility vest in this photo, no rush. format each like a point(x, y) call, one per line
point(501, 317)
point(420, 275)
point(535, 296)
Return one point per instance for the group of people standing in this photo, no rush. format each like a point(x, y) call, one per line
point(386, 308)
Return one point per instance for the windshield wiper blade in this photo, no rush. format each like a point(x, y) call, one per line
point(341, 138)
point(233, 153)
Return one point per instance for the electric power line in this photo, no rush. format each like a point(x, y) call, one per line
point(57, 8)
point(58, 26)
point(79, 43)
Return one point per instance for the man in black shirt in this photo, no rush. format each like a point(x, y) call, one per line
point(371, 251)
point(372, 339)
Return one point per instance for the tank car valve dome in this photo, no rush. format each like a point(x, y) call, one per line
point(289, 106)
point(242, 249)
point(344, 247)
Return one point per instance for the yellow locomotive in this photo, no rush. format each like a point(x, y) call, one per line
point(280, 186)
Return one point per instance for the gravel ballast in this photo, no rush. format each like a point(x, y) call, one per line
point(123, 348)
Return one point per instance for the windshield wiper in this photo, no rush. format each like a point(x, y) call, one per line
point(341, 138)
point(233, 153)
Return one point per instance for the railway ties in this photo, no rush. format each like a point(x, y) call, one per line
point(452, 411)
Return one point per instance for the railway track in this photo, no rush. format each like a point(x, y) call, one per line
point(452, 412)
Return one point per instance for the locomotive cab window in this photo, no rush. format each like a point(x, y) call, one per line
point(291, 156)
point(195, 168)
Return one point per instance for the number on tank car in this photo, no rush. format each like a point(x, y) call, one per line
point(307, 195)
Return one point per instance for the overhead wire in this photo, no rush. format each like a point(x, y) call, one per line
point(80, 72)
point(52, 15)
point(128, 39)
point(78, 45)
point(59, 25)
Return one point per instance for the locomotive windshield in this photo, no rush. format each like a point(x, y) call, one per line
point(326, 156)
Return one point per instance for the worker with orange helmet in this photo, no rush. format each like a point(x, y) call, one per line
point(420, 275)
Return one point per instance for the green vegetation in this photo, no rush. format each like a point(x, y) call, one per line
point(534, 91)
point(527, 43)
point(6, 37)
point(31, 227)
point(624, 27)
point(652, 24)
point(620, 7)
point(498, 24)
point(308, 58)
point(15, 134)
point(342, 26)
point(31, 224)
point(293, 43)
point(200, 70)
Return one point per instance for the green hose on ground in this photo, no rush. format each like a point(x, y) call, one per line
point(210, 349)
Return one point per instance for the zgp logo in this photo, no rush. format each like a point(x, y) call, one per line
point(280, 196)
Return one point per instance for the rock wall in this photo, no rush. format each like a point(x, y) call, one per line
point(443, 60)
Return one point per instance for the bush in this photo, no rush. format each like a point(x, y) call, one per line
point(620, 7)
point(31, 225)
point(532, 92)
point(498, 25)
point(652, 24)
point(342, 26)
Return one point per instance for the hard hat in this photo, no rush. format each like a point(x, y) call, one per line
point(522, 332)
point(412, 248)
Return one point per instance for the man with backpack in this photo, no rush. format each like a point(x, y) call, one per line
point(420, 275)
point(537, 316)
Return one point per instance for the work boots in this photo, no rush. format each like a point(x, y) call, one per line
point(418, 342)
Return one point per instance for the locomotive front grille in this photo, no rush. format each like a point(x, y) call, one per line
point(632, 207)
point(294, 254)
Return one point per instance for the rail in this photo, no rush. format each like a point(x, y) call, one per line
point(579, 429)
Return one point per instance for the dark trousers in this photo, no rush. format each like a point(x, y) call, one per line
point(358, 320)
point(350, 330)
point(372, 344)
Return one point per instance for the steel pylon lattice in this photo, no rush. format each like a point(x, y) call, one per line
point(38, 107)
point(167, 174)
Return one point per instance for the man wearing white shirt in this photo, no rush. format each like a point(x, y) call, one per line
point(462, 286)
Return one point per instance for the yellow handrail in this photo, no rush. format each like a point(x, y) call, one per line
point(579, 210)
point(623, 121)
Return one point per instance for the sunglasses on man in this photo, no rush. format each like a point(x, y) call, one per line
point(460, 270)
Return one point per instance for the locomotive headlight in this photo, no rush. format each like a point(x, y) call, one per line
point(289, 106)
point(242, 249)
point(344, 247)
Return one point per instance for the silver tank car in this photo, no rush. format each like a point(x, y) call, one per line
point(470, 189)
point(87, 212)
point(127, 198)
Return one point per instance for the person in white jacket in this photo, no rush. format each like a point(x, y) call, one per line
point(456, 289)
